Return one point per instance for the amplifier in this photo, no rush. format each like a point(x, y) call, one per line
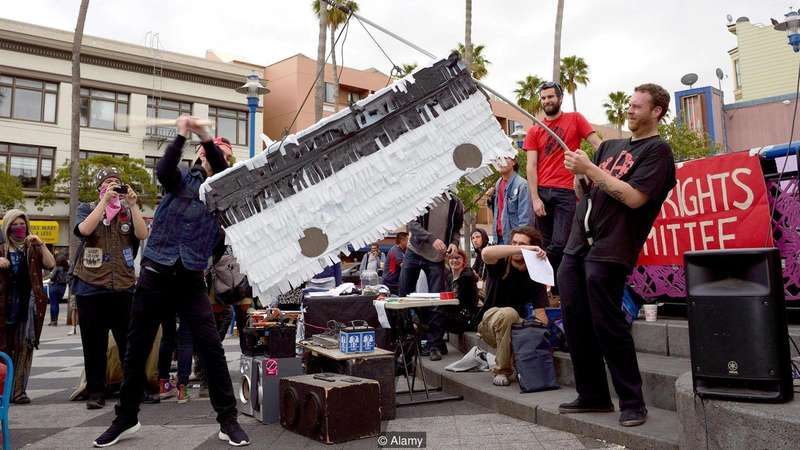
point(265, 404)
point(331, 408)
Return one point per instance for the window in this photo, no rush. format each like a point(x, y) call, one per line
point(353, 97)
point(32, 165)
point(89, 154)
point(26, 99)
point(692, 112)
point(230, 124)
point(104, 109)
point(737, 70)
point(512, 126)
point(330, 91)
point(159, 108)
point(150, 163)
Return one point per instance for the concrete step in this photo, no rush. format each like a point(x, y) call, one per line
point(718, 424)
point(671, 337)
point(661, 431)
point(659, 373)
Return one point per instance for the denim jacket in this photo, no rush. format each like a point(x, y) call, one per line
point(182, 226)
point(517, 209)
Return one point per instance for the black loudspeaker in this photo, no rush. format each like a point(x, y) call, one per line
point(737, 325)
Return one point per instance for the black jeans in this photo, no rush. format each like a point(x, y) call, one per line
point(413, 264)
point(97, 314)
point(559, 204)
point(170, 341)
point(591, 302)
point(161, 287)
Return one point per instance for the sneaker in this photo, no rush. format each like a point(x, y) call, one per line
point(501, 380)
point(23, 399)
point(119, 429)
point(166, 389)
point(234, 434)
point(183, 393)
point(581, 406)
point(436, 355)
point(151, 398)
point(633, 417)
point(95, 402)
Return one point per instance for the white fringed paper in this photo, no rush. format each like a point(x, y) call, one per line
point(362, 202)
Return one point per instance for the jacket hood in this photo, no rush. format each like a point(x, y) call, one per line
point(12, 215)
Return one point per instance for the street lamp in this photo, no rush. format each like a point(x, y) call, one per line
point(791, 25)
point(252, 88)
point(518, 135)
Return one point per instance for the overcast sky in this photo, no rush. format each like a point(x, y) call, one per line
point(624, 42)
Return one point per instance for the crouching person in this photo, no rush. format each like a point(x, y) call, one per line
point(509, 290)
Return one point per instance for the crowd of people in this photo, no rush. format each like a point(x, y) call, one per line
point(589, 217)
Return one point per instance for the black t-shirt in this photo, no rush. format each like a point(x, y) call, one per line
point(514, 289)
point(619, 232)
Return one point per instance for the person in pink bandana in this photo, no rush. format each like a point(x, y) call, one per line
point(110, 230)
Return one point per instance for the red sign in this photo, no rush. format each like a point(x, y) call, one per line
point(270, 368)
point(719, 202)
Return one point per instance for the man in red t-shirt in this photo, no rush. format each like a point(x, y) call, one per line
point(549, 182)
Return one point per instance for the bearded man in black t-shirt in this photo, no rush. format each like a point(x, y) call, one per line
point(629, 180)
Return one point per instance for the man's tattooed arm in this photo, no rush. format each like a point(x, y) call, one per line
point(617, 189)
point(615, 194)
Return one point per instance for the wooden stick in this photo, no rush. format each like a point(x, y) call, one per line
point(156, 122)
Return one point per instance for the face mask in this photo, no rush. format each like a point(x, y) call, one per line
point(18, 231)
point(113, 207)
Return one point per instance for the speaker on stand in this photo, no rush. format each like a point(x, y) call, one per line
point(737, 325)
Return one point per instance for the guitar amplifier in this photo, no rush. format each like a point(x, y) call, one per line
point(378, 368)
point(330, 408)
point(267, 373)
point(277, 341)
point(245, 394)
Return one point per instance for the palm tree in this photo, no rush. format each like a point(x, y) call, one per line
point(479, 63)
point(406, 69)
point(574, 72)
point(319, 95)
point(557, 41)
point(336, 17)
point(468, 34)
point(616, 109)
point(527, 93)
point(75, 132)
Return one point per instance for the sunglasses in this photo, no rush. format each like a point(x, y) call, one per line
point(550, 85)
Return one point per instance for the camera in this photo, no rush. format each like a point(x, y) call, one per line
point(121, 189)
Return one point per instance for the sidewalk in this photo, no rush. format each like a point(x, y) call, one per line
point(51, 421)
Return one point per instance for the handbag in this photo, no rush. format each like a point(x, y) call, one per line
point(533, 358)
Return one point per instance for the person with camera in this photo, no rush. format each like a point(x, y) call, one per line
point(172, 278)
point(104, 275)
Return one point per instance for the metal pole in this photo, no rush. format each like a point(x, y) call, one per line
point(432, 56)
point(252, 103)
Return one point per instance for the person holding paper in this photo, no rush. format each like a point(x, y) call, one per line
point(509, 289)
point(630, 178)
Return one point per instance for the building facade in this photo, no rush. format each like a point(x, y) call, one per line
point(762, 63)
point(122, 85)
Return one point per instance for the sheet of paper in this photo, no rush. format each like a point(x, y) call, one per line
point(539, 269)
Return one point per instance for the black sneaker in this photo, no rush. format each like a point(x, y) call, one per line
point(120, 429)
point(581, 406)
point(633, 417)
point(436, 355)
point(151, 399)
point(95, 402)
point(234, 434)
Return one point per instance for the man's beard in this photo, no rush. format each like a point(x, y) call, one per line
point(552, 110)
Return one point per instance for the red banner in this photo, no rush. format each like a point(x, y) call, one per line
point(719, 202)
